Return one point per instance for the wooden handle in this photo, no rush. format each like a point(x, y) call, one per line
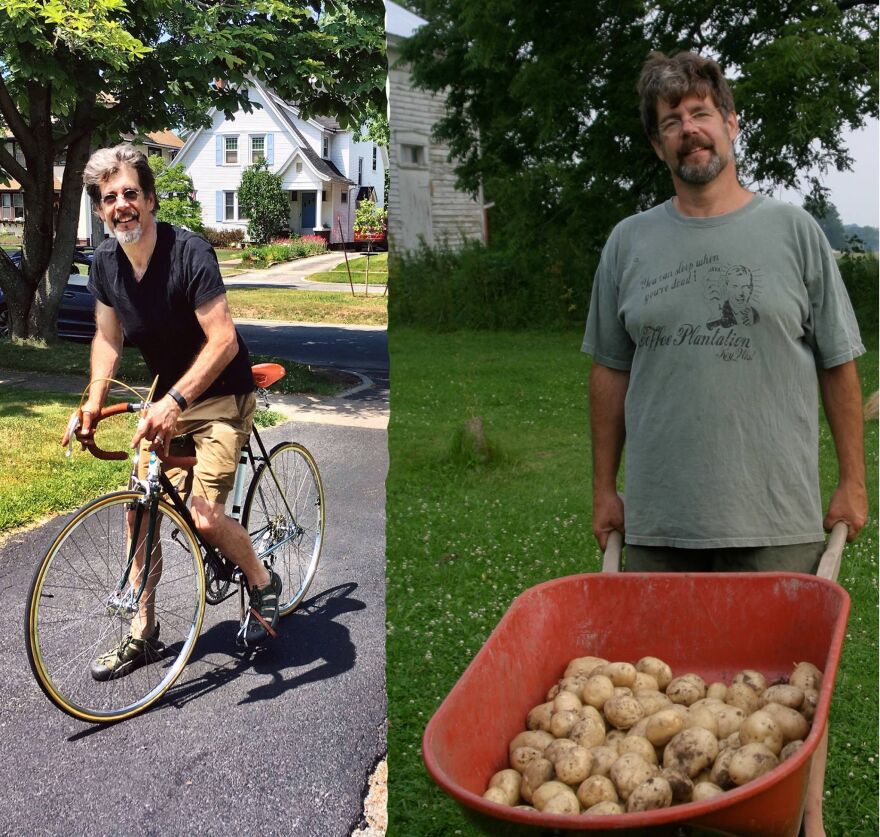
point(829, 565)
point(611, 559)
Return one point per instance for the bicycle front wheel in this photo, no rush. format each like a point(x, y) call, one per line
point(86, 592)
point(284, 515)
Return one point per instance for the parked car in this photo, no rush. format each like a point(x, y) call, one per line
point(76, 318)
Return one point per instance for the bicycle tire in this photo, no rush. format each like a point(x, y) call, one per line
point(297, 525)
point(68, 620)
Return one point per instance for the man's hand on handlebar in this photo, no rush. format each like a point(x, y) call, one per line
point(158, 426)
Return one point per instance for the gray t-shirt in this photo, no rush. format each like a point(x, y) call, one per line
point(722, 322)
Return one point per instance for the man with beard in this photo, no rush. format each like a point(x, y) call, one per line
point(160, 287)
point(721, 446)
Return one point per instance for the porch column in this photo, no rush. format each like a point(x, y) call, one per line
point(318, 224)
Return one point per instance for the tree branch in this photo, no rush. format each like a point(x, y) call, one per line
point(11, 166)
point(16, 124)
point(846, 5)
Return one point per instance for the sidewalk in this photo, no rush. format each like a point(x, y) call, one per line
point(293, 275)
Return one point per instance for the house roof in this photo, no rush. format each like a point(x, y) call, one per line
point(400, 22)
point(166, 139)
point(327, 122)
point(15, 186)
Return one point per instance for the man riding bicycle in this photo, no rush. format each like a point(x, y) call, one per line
point(160, 287)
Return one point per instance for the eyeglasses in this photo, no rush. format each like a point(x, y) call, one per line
point(130, 195)
point(673, 125)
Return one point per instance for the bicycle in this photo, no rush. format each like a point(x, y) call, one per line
point(139, 548)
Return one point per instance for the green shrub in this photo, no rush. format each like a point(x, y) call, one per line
point(309, 245)
point(860, 277)
point(223, 238)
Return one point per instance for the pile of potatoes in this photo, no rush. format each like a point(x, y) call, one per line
point(613, 737)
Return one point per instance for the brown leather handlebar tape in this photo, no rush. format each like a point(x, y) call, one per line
point(89, 443)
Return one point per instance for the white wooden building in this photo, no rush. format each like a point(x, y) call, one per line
point(323, 169)
point(424, 204)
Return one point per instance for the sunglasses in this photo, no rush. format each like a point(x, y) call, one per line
point(130, 195)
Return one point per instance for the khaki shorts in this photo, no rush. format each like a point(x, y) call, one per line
point(789, 558)
point(219, 427)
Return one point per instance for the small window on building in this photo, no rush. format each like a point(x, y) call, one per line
point(344, 198)
point(231, 147)
point(258, 149)
point(294, 197)
point(299, 168)
point(375, 156)
point(154, 152)
point(18, 205)
point(323, 194)
point(412, 155)
point(360, 171)
point(229, 206)
point(327, 147)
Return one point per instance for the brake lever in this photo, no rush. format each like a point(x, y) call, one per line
point(72, 426)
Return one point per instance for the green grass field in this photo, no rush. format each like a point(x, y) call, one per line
point(307, 306)
point(465, 536)
point(378, 274)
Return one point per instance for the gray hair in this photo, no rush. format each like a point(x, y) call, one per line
point(106, 163)
point(671, 79)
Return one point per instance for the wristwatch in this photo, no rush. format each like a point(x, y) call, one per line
point(181, 401)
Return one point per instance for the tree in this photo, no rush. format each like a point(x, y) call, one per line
point(542, 110)
point(828, 218)
point(263, 202)
point(76, 75)
point(175, 190)
point(370, 219)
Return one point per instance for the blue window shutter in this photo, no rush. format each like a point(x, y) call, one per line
point(270, 149)
point(219, 206)
point(219, 150)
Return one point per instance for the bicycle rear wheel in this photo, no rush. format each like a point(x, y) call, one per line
point(75, 614)
point(284, 516)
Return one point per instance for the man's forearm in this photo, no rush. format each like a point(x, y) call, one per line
point(607, 424)
point(842, 399)
point(213, 358)
point(104, 360)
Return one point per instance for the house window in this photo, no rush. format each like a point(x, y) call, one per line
point(412, 155)
point(344, 197)
point(18, 205)
point(375, 155)
point(258, 149)
point(6, 207)
point(230, 206)
point(360, 171)
point(154, 152)
point(299, 168)
point(323, 194)
point(294, 197)
point(326, 146)
point(230, 145)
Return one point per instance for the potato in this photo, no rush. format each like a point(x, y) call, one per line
point(761, 728)
point(662, 726)
point(590, 713)
point(749, 762)
point(640, 746)
point(806, 676)
point(743, 697)
point(644, 682)
point(522, 757)
point(562, 723)
point(497, 795)
point(532, 738)
point(537, 772)
point(628, 772)
point(624, 711)
point(547, 791)
point(732, 742)
point(539, 717)
point(716, 690)
point(557, 748)
point(794, 726)
point(613, 738)
point(686, 689)
point(702, 716)
point(588, 733)
point(682, 787)
point(808, 707)
point(705, 790)
point(566, 701)
point(790, 696)
point(659, 670)
point(603, 758)
point(638, 728)
point(603, 808)
point(584, 666)
point(597, 690)
point(621, 691)
point(596, 789)
point(620, 674)
point(730, 719)
point(572, 684)
point(562, 803)
point(691, 751)
point(651, 794)
point(508, 782)
point(753, 679)
point(573, 766)
point(652, 700)
point(720, 773)
point(790, 749)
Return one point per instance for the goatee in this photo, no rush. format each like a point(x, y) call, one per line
point(699, 173)
point(128, 236)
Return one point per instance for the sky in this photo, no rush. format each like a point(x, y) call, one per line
point(856, 193)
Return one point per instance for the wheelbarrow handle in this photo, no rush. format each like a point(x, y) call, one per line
point(613, 548)
point(829, 564)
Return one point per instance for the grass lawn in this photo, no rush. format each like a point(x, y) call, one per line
point(464, 538)
point(358, 265)
point(224, 254)
point(307, 306)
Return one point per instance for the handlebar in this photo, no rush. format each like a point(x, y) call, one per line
point(88, 442)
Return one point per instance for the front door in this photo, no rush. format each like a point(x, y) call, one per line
point(308, 210)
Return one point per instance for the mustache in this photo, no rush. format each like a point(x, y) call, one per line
point(692, 145)
point(122, 217)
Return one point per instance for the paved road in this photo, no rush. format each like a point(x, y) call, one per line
point(279, 741)
point(294, 275)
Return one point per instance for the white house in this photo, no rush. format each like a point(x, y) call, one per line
point(323, 169)
point(424, 202)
